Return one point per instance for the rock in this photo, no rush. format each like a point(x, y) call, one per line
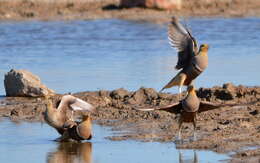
point(24, 83)
point(229, 86)
point(120, 93)
point(166, 96)
point(150, 93)
point(104, 93)
point(138, 97)
point(224, 94)
point(205, 93)
point(159, 4)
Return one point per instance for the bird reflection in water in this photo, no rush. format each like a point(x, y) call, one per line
point(71, 152)
point(195, 158)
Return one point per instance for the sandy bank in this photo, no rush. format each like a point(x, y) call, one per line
point(104, 9)
point(222, 130)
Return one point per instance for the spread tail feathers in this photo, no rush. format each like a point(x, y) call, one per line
point(177, 80)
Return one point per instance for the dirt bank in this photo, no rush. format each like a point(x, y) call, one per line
point(103, 9)
point(228, 129)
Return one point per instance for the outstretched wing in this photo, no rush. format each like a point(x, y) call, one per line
point(79, 104)
point(205, 106)
point(75, 104)
point(182, 40)
point(172, 108)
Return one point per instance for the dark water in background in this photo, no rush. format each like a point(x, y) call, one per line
point(32, 142)
point(77, 56)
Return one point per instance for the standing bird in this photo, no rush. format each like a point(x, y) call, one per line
point(191, 60)
point(56, 117)
point(188, 109)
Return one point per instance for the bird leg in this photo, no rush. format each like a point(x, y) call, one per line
point(179, 96)
point(179, 130)
point(194, 131)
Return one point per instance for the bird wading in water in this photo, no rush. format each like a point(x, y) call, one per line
point(57, 116)
point(78, 131)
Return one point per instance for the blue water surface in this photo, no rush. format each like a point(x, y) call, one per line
point(73, 56)
point(25, 142)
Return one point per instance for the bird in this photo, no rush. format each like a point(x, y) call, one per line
point(188, 109)
point(57, 116)
point(78, 131)
point(191, 60)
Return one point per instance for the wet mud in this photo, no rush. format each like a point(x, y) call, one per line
point(234, 130)
point(105, 9)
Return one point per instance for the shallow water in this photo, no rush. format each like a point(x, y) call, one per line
point(32, 142)
point(77, 56)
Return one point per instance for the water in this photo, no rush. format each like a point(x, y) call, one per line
point(32, 142)
point(75, 56)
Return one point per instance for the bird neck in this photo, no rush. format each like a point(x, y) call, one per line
point(86, 121)
point(203, 52)
point(192, 92)
point(50, 106)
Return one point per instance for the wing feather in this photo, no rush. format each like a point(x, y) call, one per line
point(79, 104)
point(75, 104)
point(205, 106)
point(181, 39)
point(172, 108)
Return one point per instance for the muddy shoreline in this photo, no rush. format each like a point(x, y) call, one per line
point(224, 130)
point(21, 10)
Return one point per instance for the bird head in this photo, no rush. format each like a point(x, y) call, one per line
point(204, 47)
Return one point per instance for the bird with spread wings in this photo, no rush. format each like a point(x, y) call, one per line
point(191, 60)
point(56, 117)
point(188, 108)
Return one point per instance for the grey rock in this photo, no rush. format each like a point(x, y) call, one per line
point(24, 84)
